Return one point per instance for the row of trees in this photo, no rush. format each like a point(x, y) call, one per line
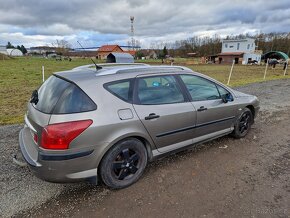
point(161, 53)
point(201, 46)
point(20, 47)
point(204, 46)
point(61, 47)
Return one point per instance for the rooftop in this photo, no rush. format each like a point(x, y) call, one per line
point(238, 40)
point(108, 48)
point(231, 53)
point(89, 73)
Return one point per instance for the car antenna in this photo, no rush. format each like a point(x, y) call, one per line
point(97, 67)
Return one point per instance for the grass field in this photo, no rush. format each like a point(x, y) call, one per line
point(242, 74)
point(20, 76)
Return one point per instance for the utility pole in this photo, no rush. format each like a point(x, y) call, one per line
point(132, 32)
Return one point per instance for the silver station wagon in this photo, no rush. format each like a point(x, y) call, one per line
point(106, 124)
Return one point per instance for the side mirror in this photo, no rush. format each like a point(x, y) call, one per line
point(227, 97)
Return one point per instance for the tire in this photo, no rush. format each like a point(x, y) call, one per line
point(243, 124)
point(123, 164)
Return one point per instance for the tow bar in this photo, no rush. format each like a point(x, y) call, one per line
point(18, 162)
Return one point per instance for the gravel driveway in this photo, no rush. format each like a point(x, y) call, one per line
point(20, 190)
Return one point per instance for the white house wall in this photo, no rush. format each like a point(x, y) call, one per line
point(246, 45)
point(253, 56)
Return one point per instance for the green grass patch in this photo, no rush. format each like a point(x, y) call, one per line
point(20, 76)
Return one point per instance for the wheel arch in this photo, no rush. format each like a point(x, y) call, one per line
point(252, 109)
point(148, 144)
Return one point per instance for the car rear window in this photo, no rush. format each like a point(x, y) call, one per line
point(58, 96)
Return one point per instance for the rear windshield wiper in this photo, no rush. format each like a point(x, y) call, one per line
point(34, 97)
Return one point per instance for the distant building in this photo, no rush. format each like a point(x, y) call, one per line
point(3, 49)
point(10, 51)
point(14, 52)
point(105, 50)
point(82, 53)
point(123, 57)
point(42, 50)
point(240, 50)
point(278, 55)
point(131, 52)
point(148, 54)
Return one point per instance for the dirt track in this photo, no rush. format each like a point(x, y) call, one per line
point(224, 178)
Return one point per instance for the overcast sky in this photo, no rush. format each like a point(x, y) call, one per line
point(95, 22)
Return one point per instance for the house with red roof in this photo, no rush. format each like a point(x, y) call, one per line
point(105, 50)
point(131, 52)
point(240, 51)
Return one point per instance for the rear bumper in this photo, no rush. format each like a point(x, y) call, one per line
point(29, 156)
point(57, 167)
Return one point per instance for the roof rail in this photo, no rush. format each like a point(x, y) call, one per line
point(109, 65)
point(154, 68)
point(116, 64)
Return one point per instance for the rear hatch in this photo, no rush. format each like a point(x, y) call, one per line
point(55, 96)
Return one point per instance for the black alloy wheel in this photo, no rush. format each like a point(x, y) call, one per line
point(124, 163)
point(243, 124)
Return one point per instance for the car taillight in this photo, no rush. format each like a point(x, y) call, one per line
point(35, 137)
point(60, 135)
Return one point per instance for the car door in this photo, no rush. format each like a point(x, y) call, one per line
point(164, 110)
point(213, 114)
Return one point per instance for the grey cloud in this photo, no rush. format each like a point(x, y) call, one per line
point(238, 14)
point(277, 17)
point(137, 3)
point(152, 18)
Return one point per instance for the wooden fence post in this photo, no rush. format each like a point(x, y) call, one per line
point(266, 68)
point(229, 79)
point(42, 73)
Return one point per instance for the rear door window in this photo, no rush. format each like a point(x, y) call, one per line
point(158, 90)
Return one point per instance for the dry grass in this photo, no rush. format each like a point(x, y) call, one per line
point(3, 57)
point(242, 74)
point(20, 76)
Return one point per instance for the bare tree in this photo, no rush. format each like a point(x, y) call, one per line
point(61, 46)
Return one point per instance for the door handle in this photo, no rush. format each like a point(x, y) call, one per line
point(152, 116)
point(202, 108)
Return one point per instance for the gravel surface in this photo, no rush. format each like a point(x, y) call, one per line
point(20, 190)
point(273, 95)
